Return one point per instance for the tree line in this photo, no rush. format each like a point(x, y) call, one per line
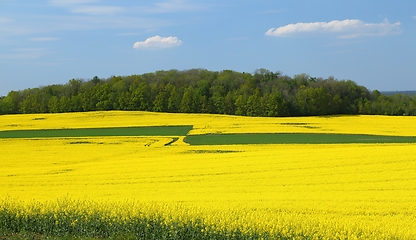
point(262, 93)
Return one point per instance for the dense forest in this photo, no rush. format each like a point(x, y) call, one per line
point(262, 93)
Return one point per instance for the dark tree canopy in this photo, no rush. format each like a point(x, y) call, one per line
point(263, 93)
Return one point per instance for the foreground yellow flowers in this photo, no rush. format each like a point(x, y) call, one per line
point(324, 191)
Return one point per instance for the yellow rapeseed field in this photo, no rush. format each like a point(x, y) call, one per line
point(327, 191)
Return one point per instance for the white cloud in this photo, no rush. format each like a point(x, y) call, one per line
point(94, 6)
point(43, 39)
point(97, 10)
point(158, 42)
point(348, 28)
point(85, 15)
point(5, 20)
point(10, 27)
point(64, 3)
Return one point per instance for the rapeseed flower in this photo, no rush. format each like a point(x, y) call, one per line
point(321, 191)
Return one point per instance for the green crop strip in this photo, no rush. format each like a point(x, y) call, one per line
point(292, 138)
point(99, 132)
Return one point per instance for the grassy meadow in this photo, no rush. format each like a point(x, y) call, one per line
point(164, 186)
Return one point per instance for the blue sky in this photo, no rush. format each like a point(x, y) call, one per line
point(371, 42)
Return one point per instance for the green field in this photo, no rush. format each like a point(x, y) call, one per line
point(99, 132)
point(292, 138)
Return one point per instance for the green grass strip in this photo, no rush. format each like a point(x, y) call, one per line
point(292, 138)
point(99, 132)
